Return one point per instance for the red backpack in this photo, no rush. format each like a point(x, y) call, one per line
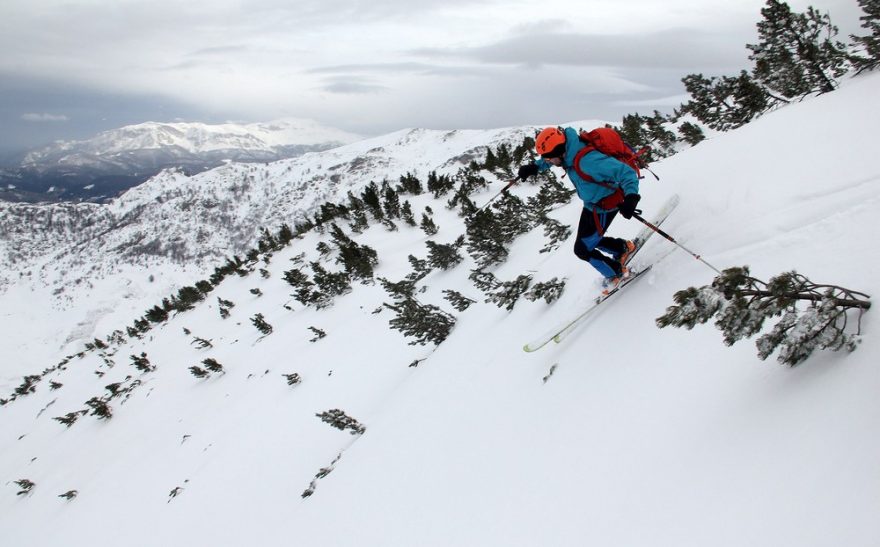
point(609, 142)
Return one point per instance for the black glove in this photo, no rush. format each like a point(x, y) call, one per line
point(628, 207)
point(527, 170)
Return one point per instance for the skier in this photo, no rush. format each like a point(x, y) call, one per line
point(614, 187)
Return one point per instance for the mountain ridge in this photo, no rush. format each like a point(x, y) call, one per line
point(99, 168)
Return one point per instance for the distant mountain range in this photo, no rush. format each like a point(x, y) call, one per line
point(102, 167)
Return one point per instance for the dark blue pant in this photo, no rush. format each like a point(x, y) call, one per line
point(591, 242)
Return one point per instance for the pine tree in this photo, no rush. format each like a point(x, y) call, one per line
point(399, 290)
point(550, 291)
point(360, 222)
point(797, 53)
point(406, 213)
point(439, 185)
point(372, 200)
point(357, 260)
point(293, 379)
point(26, 486)
point(869, 57)
point(444, 256)
point(727, 102)
point(427, 225)
point(410, 184)
point(225, 306)
point(198, 372)
point(260, 323)
point(459, 301)
point(484, 281)
point(142, 363)
point(285, 235)
point(425, 322)
point(420, 267)
point(100, 408)
point(340, 420)
point(691, 133)
point(550, 194)
point(390, 201)
point(508, 293)
point(555, 232)
point(487, 239)
point(213, 366)
point(740, 304)
point(329, 285)
point(661, 140)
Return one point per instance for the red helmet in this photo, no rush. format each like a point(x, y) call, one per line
point(550, 142)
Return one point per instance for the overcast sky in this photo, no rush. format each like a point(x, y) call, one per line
point(71, 68)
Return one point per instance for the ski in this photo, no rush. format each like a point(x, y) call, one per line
point(568, 329)
point(645, 233)
point(561, 332)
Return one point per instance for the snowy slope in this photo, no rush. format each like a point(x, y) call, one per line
point(639, 437)
point(93, 267)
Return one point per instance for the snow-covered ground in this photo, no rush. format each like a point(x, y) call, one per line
point(640, 436)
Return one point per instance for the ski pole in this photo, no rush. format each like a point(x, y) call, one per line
point(638, 217)
point(509, 184)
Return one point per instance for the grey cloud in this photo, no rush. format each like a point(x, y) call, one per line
point(684, 49)
point(410, 68)
point(352, 86)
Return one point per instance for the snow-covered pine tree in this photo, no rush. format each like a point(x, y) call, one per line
point(797, 53)
point(812, 316)
point(869, 56)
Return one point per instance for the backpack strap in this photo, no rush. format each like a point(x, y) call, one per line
point(608, 202)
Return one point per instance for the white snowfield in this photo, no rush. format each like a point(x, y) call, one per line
point(639, 437)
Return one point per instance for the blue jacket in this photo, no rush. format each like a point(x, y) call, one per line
point(599, 166)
